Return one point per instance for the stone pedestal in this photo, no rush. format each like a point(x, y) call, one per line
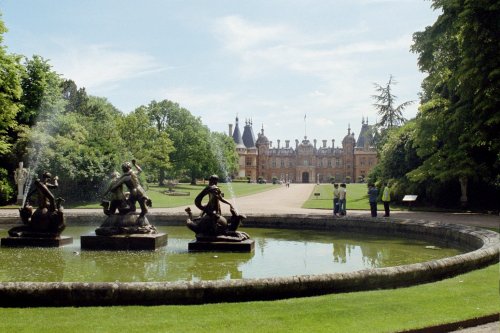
point(36, 241)
point(247, 245)
point(125, 242)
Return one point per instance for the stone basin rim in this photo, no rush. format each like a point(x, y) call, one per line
point(485, 251)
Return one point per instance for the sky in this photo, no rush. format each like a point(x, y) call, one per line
point(291, 67)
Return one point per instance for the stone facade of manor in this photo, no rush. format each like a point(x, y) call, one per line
point(303, 161)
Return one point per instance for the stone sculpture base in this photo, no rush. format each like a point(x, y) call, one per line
point(247, 245)
point(36, 241)
point(125, 242)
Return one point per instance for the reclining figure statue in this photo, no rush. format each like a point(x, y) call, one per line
point(211, 226)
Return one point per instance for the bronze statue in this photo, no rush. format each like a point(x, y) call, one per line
point(126, 221)
point(211, 225)
point(118, 199)
point(47, 220)
point(136, 192)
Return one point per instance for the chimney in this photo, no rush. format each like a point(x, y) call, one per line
point(314, 143)
point(278, 143)
point(287, 143)
point(296, 143)
point(324, 143)
point(333, 143)
point(270, 143)
point(230, 129)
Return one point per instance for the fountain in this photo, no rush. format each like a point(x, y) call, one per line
point(124, 228)
point(213, 231)
point(43, 226)
point(144, 278)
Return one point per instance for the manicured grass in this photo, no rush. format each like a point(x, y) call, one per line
point(357, 198)
point(463, 297)
point(162, 200)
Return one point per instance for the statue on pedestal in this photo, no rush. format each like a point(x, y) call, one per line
point(211, 226)
point(47, 220)
point(20, 177)
point(126, 220)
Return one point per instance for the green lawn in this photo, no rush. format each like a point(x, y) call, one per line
point(357, 198)
point(463, 297)
point(162, 200)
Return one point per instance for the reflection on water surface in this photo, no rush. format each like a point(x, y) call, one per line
point(278, 252)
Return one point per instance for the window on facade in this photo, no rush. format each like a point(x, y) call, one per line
point(329, 163)
point(274, 164)
point(337, 162)
point(282, 163)
point(306, 162)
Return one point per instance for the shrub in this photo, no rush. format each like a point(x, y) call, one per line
point(6, 189)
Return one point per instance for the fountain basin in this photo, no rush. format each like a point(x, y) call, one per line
point(483, 246)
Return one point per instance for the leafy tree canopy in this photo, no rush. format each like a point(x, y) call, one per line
point(459, 122)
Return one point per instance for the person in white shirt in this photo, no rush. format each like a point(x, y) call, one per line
point(342, 199)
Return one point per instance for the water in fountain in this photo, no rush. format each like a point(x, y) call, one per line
point(278, 253)
point(216, 148)
point(40, 135)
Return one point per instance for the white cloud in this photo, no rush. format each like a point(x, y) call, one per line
point(98, 66)
point(264, 49)
point(239, 35)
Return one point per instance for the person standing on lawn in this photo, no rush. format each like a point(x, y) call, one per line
point(386, 199)
point(342, 199)
point(372, 198)
point(336, 197)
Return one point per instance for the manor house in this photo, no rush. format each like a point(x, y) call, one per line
point(306, 161)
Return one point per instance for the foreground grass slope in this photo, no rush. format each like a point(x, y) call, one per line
point(463, 297)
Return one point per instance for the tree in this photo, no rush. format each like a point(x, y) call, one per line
point(82, 148)
point(224, 155)
point(10, 92)
point(41, 90)
point(391, 115)
point(10, 95)
point(458, 122)
point(146, 144)
point(192, 144)
point(75, 97)
point(198, 152)
point(398, 157)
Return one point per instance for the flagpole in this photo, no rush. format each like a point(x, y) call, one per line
point(305, 126)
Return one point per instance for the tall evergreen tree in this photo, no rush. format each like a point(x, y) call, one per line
point(385, 103)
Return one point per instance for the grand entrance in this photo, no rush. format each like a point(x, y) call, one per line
point(305, 177)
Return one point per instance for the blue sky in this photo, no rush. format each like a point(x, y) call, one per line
point(271, 61)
